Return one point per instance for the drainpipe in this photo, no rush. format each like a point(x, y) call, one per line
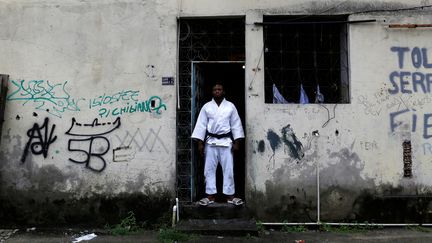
point(173, 218)
point(318, 192)
point(347, 224)
point(316, 134)
point(178, 209)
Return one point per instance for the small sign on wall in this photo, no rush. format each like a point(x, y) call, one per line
point(167, 80)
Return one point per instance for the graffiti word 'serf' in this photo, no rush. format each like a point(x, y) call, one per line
point(52, 98)
point(406, 82)
point(153, 104)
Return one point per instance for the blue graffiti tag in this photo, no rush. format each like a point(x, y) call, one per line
point(52, 98)
point(411, 82)
point(152, 105)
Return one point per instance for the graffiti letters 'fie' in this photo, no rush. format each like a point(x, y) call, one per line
point(40, 138)
point(96, 145)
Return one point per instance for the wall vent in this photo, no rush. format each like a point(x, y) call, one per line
point(407, 158)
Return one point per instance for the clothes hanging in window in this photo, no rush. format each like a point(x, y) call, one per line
point(303, 96)
point(319, 98)
point(277, 96)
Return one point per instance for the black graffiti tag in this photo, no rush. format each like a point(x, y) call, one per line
point(90, 153)
point(44, 138)
point(95, 144)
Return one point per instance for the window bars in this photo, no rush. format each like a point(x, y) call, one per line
point(306, 59)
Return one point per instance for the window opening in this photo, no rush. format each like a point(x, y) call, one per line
point(306, 61)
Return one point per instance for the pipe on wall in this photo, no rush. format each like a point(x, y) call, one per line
point(345, 224)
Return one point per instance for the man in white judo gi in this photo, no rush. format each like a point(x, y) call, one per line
point(217, 125)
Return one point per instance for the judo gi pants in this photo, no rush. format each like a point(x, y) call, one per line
point(223, 155)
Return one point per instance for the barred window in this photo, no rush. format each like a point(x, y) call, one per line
point(306, 59)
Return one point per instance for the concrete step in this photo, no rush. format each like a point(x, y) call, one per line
point(231, 227)
point(214, 211)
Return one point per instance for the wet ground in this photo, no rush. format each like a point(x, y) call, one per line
point(393, 235)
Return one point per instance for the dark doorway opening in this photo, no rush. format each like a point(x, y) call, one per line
point(202, 40)
point(231, 75)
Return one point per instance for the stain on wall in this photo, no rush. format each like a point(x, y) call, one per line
point(261, 146)
point(290, 140)
point(274, 141)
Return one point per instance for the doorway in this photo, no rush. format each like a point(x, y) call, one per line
point(232, 76)
point(202, 41)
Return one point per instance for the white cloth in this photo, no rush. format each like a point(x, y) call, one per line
point(303, 96)
point(218, 120)
point(223, 155)
point(277, 96)
point(319, 98)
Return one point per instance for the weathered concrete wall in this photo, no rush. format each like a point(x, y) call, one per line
point(71, 62)
point(359, 149)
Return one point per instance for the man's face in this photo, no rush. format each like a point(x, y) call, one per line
point(218, 91)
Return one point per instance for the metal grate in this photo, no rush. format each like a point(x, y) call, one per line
point(407, 158)
point(310, 51)
point(200, 40)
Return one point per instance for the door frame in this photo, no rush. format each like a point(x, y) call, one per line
point(194, 112)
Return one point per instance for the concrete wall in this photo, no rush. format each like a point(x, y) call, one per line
point(63, 57)
point(87, 60)
point(359, 149)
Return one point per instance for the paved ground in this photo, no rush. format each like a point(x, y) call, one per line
point(385, 235)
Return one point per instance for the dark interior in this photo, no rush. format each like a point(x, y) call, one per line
point(231, 76)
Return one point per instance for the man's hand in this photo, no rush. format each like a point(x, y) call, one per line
point(236, 146)
point(201, 148)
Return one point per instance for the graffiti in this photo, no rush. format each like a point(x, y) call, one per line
point(126, 102)
point(140, 141)
point(274, 141)
point(369, 107)
point(411, 82)
point(405, 82)
point(52, 98)
point(128, 95)
point(123, 154)
point(427, 148)
point(426, 125)
point(92, 129)
point(40, 138)
point(153, 104)
point(368, 145)
point(419, 56)
point(290, 140)
point(95, 144)
point(150, 72)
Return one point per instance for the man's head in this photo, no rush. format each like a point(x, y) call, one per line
point(218, 91)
